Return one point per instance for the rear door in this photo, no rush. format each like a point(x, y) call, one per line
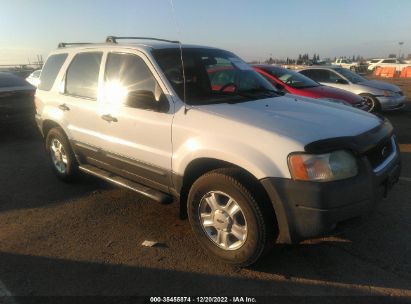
point(78, 100)
point(138, 118)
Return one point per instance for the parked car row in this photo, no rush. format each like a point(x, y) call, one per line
point(295, 83)
point(248, 163)
point(330, 83)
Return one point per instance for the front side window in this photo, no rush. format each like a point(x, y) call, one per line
point(211, 76)
point(129, 81)
point(351, 76)
point(50, 71)
point(82, 75)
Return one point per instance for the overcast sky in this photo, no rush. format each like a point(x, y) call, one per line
point(252, 29)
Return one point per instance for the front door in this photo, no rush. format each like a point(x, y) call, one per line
point(138, 118)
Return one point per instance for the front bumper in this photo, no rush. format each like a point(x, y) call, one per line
point(310, 209)
point(391, 103)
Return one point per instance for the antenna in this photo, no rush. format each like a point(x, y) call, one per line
point(181, 55)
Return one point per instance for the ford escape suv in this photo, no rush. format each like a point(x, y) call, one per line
point(248, 165)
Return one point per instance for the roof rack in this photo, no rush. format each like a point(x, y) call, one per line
point(64, 44)
point(113, 39)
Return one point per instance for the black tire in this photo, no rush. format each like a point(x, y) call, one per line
point(71, 169)
point(261, 226)
point(372, 103)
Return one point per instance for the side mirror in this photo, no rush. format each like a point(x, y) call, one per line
point(341, 81)
point(143, 99)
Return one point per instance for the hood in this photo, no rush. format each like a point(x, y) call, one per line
point(329, 92)
point(380, 85)
point(296, 118)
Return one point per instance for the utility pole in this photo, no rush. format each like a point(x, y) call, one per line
point(399, 49)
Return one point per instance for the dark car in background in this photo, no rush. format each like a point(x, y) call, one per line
point(295, 83)
point(16, 99)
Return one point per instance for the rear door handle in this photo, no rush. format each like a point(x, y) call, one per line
point(109, 118)
point(63, 107)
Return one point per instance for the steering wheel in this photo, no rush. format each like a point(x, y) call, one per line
point(227, 85)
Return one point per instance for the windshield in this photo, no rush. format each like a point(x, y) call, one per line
point(211, 76)
point(291, 78)
point(351, 76)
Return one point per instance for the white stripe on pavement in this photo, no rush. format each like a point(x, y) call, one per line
point(407, 179)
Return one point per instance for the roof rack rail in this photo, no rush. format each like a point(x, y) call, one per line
point(113, 39)
point(64, 44)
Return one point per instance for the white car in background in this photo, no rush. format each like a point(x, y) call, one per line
point(373, 62)
point(390, 62)
point(34, 78)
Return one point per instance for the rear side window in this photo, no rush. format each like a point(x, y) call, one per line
point(313, 74)
point(82, 75)
point(321, 75)
point(50, 71)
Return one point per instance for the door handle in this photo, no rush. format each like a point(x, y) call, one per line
point(63, 107)
point(109, 118)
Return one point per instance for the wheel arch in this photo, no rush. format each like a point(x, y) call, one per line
point(49, 124)
point(201, 166)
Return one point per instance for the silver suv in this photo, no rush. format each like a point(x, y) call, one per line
point(247, 164)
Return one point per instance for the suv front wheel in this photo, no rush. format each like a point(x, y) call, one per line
point(63, 161)
point(227, 219)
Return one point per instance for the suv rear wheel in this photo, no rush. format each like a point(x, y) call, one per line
point(227, 219)
point(62, 159)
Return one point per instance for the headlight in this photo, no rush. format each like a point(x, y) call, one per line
point(390, 93)
point(337, 101)
point(322, 167)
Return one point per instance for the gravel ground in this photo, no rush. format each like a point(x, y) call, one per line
point(85, 239)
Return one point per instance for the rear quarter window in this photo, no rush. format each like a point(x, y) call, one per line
point(82, 75)
point(50, 71)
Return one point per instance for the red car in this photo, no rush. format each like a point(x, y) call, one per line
point(298, 84)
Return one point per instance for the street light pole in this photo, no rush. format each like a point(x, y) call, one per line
point(399, 49)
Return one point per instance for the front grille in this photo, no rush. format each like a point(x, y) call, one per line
point(380, 153)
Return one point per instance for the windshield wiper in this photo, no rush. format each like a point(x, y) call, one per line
point(263, 91)
point(247, 95)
